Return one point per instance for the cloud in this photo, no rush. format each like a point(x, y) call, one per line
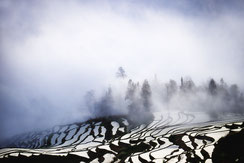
point(52, 53)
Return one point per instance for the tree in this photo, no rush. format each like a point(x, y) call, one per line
point(212, 87)
point(146, 95)
point(222, 82)
point(171, 88)
point(139, 106)
point(187, 84)
point(234, 91)
point(121, 73)
point(181, 83)
point(104, 107)
point(131, 89)
point(131, 97)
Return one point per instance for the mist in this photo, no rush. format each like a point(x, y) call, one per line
point(53, 53)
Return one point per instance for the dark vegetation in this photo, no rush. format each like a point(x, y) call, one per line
point(139, 102)
point(138, 99)
point(229, 149)
point(215, 98)
point(126, 149)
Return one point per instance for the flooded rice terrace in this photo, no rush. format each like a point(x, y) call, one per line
point(170, 137)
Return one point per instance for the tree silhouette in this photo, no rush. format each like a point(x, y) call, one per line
point(171, 88)
point(146, 95)
point(104, 107)
point(212, 87)
point(121, 73)
point(187, 84)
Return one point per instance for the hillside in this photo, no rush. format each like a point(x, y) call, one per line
point(174, 137)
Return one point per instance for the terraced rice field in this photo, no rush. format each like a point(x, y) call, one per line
point(174, 137)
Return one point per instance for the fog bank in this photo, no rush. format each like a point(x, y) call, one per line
point(53, 52)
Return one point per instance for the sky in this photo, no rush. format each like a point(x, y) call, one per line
point(53, 52)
